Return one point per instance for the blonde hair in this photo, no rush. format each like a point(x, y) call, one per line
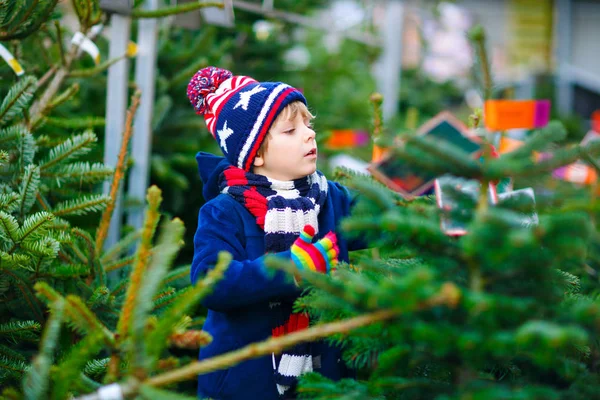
point(288, 113)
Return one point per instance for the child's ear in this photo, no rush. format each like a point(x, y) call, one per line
point(259, 161)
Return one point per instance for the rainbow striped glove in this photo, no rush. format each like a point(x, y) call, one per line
point(321, 256)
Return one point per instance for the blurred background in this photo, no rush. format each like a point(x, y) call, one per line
point(414, 52)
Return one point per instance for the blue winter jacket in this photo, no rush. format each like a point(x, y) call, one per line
point(238, 308)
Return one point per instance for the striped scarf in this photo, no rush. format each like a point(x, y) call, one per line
point(281, 209)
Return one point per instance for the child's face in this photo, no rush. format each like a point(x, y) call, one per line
point(291, 152)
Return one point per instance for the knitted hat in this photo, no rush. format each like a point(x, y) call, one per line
point(238, 110)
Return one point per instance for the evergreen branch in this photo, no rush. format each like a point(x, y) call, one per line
point(82, 172)
point(103, 66)
point(177, 273)
point(9, 202)
point(12, 261)
point(35, 224)
point(80, 317)
point(38, 109)
point(119, 287)
point(46, 77)
point(11, 133)
point(27, 149)
point(151, 393)
point(69, 370)
point(29, 188)
point(447, 296)
point(82, 206)
point(99, 297)
point(166, 298)
point(17, 99)
point(141, 264)
point(4, 157)
point(87, 239)
point(119, 173)
point(59, 42)
point(79, 254)
point(7, 8)
point(73, 147)
point(76, 123)
point(65, 271)
point(477, 37)
point(121, 246)
point(24, 286)
point(156, 340)
point(115, 265)
point(169, 244)
point(31, 24)
point(96, 368)
point(45, 247)
point(20, 330)
point(553, 132)
point(35, 384)
point(10, 226)
point(7, 352)
point(166, 11)
point(14, 368)
point(271, 345)
point(64, 96)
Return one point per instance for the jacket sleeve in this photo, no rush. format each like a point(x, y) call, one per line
point(349, 200)
point(245, 281)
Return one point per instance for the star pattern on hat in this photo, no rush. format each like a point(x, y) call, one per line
point(224, 134)
point(245, 97)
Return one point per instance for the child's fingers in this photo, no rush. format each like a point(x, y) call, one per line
point(331, 236)
point(308, 233)
point(332, 255)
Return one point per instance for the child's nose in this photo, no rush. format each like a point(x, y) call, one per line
point(310, 134)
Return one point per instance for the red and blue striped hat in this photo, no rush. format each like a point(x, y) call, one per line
point(238, 110)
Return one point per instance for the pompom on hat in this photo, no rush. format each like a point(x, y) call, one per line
point(238, 110)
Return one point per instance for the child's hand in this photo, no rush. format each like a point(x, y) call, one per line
point(321, 256)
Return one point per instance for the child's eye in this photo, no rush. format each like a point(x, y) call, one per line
point(289, 131)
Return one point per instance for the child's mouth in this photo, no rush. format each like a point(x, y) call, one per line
point(311, 153)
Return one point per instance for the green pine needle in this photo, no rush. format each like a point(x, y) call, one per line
point(17, 99)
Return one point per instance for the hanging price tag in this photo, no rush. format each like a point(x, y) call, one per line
point(11, 61)
point(85, 44)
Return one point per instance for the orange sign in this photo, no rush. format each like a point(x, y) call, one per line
point(511, 114)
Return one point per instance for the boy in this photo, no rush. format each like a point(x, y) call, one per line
point(265, 196)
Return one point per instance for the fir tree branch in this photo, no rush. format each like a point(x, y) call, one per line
point(178, 9)
point(109, 267)
point(59, 43)
point(38, 109)
point(156, 340)
point(76, 123)
point(81, 206)
point(36, 381)
point(29, 188)
point(477, 37)
point(17, 99)
point(73, 147)
point(141, 265)
point(448, 295)
point(64, 96)
point(31, 24)
point(24, 287)
point(80, 316)
point(89, 72)
point(119, 172)
point(168, 245)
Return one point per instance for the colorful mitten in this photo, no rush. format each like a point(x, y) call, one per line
point(320, 256)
